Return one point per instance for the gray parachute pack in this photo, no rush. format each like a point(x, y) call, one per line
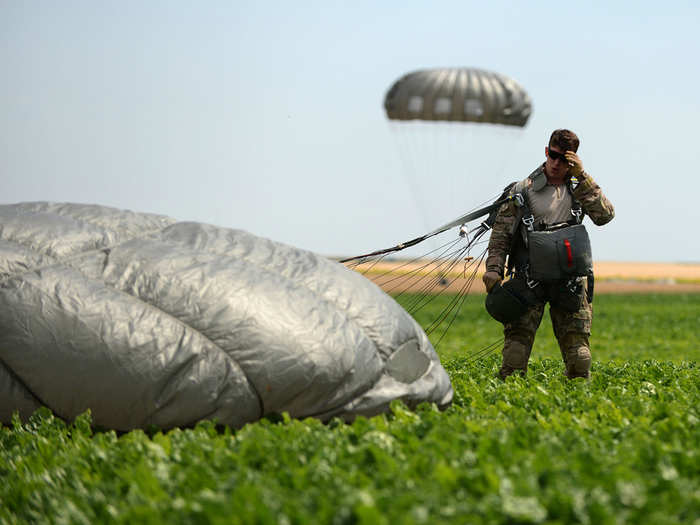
point(145, 321)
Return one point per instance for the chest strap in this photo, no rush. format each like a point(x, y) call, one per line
point(523, 202)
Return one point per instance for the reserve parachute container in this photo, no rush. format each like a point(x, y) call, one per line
point(148, 321)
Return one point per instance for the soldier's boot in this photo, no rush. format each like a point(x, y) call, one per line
point(577, 356)
point(515, 357)
point(572, 331)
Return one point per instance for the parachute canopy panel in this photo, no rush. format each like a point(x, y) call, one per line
point(148, 321)
point(458, 95)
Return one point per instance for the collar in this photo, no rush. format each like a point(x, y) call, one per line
point(538, 178)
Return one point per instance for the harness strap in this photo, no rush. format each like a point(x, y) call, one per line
point(576, 208)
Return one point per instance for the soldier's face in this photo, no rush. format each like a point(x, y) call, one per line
point(556, 165)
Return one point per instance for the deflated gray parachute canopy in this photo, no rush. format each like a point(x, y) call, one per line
point(148, 321)
point(460, 95)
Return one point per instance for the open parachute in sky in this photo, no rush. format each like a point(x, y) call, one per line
point(455, 131)
point(458, 95)
point(148, 321)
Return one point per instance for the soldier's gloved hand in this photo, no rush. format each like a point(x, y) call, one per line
point(491, 279)
point(575, 164)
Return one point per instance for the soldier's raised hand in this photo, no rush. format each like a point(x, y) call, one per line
point(575, 164)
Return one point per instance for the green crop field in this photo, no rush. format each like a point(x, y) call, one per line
point(620, 448)
point(625, 327)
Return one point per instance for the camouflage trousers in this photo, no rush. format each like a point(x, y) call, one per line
point(572, 330)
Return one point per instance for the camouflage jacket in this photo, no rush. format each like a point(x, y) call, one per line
point(508, 220)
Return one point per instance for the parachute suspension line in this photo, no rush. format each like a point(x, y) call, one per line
point(420, 302)
point(481, 242)
point(456, 161)
point(485, 351)
point(456, 258)
point(362, 261)
point(460, 220)
point(431, 274)
point(450, 307)
point(462, 135)
point(427, 297)
point(487, 201)
point(419, 271)
point(425, 294)
point(410, 155)
point(408, 262)
point(456, 304)
point(490, 348)
point(453, 164)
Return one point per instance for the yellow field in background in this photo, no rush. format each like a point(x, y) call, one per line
point(611, 276)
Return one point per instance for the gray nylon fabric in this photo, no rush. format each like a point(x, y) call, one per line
point(458, 95)
point(148, 321)
point(549, 256)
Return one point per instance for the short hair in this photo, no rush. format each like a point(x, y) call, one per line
point(564, 139)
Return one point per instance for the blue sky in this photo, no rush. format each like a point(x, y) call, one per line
point(267, 116)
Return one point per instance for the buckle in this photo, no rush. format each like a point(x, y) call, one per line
point(531, 283)
point(572, 284)
point(529, 221)
point(576, 212)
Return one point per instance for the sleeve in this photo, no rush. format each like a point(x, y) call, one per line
point(501, 238)
point(594, 203)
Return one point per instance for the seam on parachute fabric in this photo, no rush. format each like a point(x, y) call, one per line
point(223, 381)
point(14, 376)
point(175, 277)
point(61, 260)
point(219, 348)
point(351, 319)
point(85, 221)
point(268, 269)
point(354, 320)
point(178, 321)
point(65, 262)
point(186, 325)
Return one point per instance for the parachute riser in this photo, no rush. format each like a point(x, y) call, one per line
point(491, 209)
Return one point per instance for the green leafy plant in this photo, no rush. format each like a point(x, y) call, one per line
point(619, 448)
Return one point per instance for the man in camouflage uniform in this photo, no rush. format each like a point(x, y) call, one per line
point(551, 190)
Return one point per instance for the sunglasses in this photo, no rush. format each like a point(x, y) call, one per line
point(554, 155)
